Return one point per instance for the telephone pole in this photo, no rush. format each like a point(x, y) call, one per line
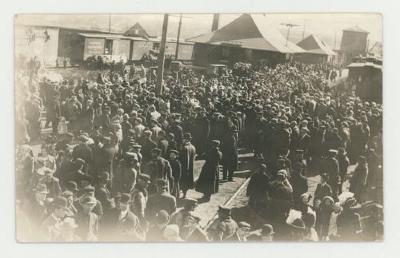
point(177, 38)
point(161, 56)
point(289, 26)
point(109, 23)
point(215, 22)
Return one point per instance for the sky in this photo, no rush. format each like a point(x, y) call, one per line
point(327, 26)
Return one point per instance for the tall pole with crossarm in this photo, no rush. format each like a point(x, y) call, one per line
point(161, 56)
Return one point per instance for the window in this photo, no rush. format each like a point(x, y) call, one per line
point(108, 47)
point(225, 52)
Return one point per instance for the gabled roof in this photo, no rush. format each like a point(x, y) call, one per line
point(137, 31)
point(313, 45)
point(251, 31)
point(356, 29)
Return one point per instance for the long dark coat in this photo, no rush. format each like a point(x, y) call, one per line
point(229, 152)
point(209, 176)
point(187, 156)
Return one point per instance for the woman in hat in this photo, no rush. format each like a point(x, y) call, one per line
point(209, 176)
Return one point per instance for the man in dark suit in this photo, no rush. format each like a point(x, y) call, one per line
point(125, 224)
point(229, 154)
point(323, 189)
point(176, 170)
point(162, 200)
point(102, 193)
point(331, 167)
point(187, 156)
point(147, 145)
point(125, 174)
point(52, 183)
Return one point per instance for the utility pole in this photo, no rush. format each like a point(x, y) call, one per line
point(289, 26)
point(215, 22)
point(109, 23)
point(177, 37)
point(161, 56)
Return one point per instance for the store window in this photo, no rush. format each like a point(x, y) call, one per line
point(108, 47)
point(225, 52)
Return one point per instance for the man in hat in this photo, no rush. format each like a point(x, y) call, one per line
point(187, 157)
point(299, 162)
point(52, 183)
point(139, 197)
point(162, 200)
point(177, 130)
point(49, 227)
point(358, 182)
point(158, 168)
point(201, 132)
point(87, 220)
point(229, 154)
point(125, 224)
point(102, 192)
point(147, 146)
point(72, 210)
point(331, 167)
point(88, 191)
point(281, 195)
point(176, 170)
point(209, 177)
point(323, 190)
point(224, 227)
point(187, 222)
point(126, 173)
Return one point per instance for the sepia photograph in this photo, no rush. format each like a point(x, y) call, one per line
point(188, 127)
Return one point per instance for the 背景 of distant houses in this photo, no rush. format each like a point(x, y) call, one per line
point(249, 38)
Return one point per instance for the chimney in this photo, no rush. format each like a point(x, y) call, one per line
point(215, 22)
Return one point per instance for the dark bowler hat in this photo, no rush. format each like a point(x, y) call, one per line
point(174, 151)
point(156, 150)
point(216, 142)
point(333, 151)
point(130, 156)
point(267, 229)
point(144, 177)
point(72, 186)
point(187, 136)
point(125, 198)
point(137, 146)
point(162, 183)
point(89, 189)
point(88, 200)
point(244, 225)
point(224, 210)
point(104, 176)
point(67, 193)
point(79, 162)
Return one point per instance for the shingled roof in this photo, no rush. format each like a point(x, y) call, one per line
point(250, 31)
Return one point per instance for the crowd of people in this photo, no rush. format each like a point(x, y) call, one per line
point(123, 170)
